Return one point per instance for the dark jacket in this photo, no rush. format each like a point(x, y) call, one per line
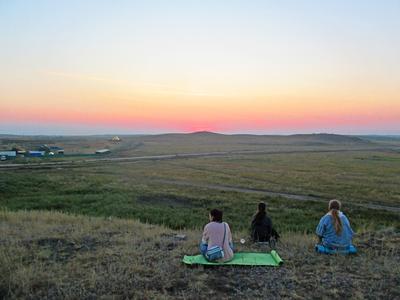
point(262, 230)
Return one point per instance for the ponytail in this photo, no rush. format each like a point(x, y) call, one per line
point(336, 221)
point(334, 207)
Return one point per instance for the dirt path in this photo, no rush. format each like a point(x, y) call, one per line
point(79, 163)
point(296, 197)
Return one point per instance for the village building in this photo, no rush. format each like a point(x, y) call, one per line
point(53, 149)
point(4, 155)
point(36, 153)
point(103, 151)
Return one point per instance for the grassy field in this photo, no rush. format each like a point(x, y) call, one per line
point(175, 192)
point(174, 195)
point(52, 255)
point(134, 191)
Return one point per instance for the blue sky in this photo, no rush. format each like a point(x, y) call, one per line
point(230, 66)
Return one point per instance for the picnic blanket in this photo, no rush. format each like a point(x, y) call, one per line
point(241, 258)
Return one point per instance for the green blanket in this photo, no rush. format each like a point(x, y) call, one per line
point(244, 259)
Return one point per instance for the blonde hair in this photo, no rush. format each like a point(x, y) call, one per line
point(334, 207)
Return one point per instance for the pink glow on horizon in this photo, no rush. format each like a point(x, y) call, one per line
point(189, 123)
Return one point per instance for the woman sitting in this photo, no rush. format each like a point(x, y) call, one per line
point(261, 226)
point(217, 234)
point(334, 231)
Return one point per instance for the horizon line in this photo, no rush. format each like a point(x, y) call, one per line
point(200, 132)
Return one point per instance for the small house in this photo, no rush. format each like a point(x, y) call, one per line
point(20, 151)
point(4, 155)
point(56, 150)
point(103, 151)
point(51, 149)
point(37, 153)
point(44, 148)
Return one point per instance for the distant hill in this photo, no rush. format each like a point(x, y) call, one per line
point(205, 133)
point(384, 138)
point(296, 139)
point(331, 138)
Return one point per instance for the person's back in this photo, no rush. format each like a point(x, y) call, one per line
point(217, 233)
point(334, 228)
point(214, 233)
point(261, 229)
point(261, 226)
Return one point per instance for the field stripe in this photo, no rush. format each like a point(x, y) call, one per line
point(295, 197)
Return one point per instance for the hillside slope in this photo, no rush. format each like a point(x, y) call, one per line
point(53, 255)
point(211, 137)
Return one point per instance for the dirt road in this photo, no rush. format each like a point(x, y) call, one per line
point(296, 197)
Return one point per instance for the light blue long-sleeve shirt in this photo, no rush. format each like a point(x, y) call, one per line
point(326, 230)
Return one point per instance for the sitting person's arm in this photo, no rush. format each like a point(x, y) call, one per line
point(275, 234)
point(320, 230)
point(347, 224)
point(270, 228)
point(229, 233)
point(204, 241)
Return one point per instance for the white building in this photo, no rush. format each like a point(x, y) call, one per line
point(8, 153)
point(103, 151)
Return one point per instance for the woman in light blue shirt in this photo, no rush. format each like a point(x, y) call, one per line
point(334, 231)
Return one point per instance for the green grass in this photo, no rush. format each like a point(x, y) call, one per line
point(139, 189)
point(117, 191)
point(328, 175)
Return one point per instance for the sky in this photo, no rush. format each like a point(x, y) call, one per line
point(263, 67)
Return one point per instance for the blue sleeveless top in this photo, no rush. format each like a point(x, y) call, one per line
point(326, 230)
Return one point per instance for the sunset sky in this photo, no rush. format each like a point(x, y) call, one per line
point(265, 67)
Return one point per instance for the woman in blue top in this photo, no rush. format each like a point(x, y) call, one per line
point(334, 230)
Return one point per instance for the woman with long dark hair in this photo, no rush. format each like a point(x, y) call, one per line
point(334, 231)
point(261, 226)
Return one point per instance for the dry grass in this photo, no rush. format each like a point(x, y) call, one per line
point(53, 255)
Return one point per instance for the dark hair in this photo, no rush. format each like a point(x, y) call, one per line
point(261, 207)
point(216, 215)
point(260, 214)
point(334, 207)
